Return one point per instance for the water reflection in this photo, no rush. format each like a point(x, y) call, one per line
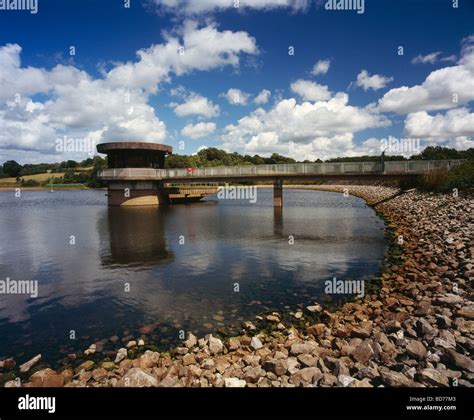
point(136, 236)
point(181, 262)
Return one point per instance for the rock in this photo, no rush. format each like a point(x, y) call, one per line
point(131, 344)
point(300, 348)
point(253, 373)
point(363, 352)
point(121, 354)
point(98, 374)
point(108, 365)
point(114, 338)
point(67, 375)
point(256, 343)
point(47, 378)
point(449, 299)
point(91, 350)
point(314, 308)
point(147, 329)
point(12, 384)
point(87, 365)
point(247, 325)
point(148, 359)
point(395, 379)
point(345, 380)
point(234, 383)
point(141, 342)
point(316, 330)
point(459, 360)
point(416, 350)
point(215, 345)
point(189, 359)
point(363, 329)
point(181, 350)
point(191, 341)
point(208, 364)
point(299, 315)
point(445, 340)
point(433, 377)
point(392, 326)
point(467, 313)
point(307, 360)
point(306, 376)
point(278, 367)
point(233, 343)
point(7, 363)
point(272, 318)
point(25, 367)
point(137, 378)
point(292, 365)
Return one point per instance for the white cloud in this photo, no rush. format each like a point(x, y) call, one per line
point(236, 97)
point(457, 122)
point(429, 58)
point(193, 7)
point(444, 88)
point(375, 82)
point(263, 97)
point(196, 105)
point(432, 58)
point(321, 67)
point(304, 131)
point(116, 106)
point(203, 49)
point(310, 91)
point(199, 130)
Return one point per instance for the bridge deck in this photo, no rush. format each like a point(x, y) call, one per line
point(390, 169)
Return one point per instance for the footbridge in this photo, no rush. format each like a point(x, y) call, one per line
point(154, 179)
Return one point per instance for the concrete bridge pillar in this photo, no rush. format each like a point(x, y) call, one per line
point(278, 193)
point(136, 193)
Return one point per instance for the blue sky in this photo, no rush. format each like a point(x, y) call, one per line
point(364, 92)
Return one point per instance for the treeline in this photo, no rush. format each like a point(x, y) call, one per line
point(215, 157)
point(13, 169)
point(85, 172)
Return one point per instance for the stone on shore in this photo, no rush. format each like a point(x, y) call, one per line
point(137, 378)
point(234, 383)
point(215, 345)
point(25, 367)
point(121, 354)
point(255, 343)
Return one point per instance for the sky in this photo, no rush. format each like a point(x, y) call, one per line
point(310, 79)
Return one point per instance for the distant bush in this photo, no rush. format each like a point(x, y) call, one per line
point(31, 183)
point(461, 177)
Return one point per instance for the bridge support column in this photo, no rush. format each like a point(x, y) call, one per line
point(278, 193)
point(136, 193)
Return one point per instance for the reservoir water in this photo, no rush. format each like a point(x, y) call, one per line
point(125, 272)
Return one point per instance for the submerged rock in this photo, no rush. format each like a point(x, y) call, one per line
point(25, 367)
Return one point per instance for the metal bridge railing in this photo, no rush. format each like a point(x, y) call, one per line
point(336, 168)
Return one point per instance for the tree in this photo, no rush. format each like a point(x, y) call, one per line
point(12, 168)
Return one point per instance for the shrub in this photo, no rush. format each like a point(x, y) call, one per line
point(461, 177)
point(31, 183)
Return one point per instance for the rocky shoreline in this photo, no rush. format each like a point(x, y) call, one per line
point(415, 330)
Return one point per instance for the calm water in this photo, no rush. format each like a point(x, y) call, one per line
point(173, 286)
